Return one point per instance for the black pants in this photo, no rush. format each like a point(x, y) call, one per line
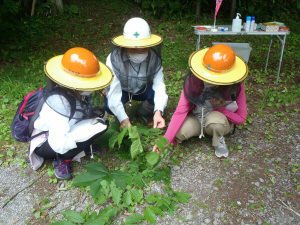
point(47, 152)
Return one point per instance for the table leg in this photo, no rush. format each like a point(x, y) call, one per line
point(198, 43)
point(282, 41)
point(266, 66)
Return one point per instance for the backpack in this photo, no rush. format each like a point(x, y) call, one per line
point(27, 112)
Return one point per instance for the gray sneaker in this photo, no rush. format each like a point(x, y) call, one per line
point(62, 169)
point(221, 151)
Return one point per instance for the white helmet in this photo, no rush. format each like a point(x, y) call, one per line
point(136, 29)
point(137, 34)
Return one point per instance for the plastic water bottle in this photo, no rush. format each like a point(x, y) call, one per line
point(237, 23)
point(252, 24)
point(248, 22)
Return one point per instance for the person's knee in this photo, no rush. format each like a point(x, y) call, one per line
point(211, 128)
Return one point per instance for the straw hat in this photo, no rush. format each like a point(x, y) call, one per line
point(78, 69)
point(137, 34)
point(218, 65)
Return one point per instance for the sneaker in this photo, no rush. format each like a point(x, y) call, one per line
point(221, 151)
point(62, 169)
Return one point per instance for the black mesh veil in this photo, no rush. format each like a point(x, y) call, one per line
point(208, 95)
point(68, 103)
point(135, 77)
point(156, 48)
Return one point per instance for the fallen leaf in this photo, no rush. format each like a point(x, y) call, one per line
point(13, 222)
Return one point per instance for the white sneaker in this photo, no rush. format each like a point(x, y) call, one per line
point(221, 151)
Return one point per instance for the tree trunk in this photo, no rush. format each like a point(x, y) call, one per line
point(198, 9)
point(53, 7)
point(33, 7)
point(233, 7)
point(59, 5)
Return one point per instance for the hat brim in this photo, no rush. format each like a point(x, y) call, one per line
point(142, 43)
point(55, 72)
point(236, 74)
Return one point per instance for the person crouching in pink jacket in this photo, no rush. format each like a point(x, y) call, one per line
point(212, 100)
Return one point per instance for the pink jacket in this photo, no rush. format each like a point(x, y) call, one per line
point(185, 106)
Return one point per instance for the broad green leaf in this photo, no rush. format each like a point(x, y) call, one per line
point(137, 195)
point(157, 210)
point(167, 201)
point(133, 132)
point(182, 197)
point(103, 216)
point(136, 148)
point(113, 140)
point(73, 216)
point(134, 167)
point(160, 202)
point(163, 140)
point(134, 218)
point(170, 212)
point(101, 199)
point(173, 206)
point(96, 168)
point(119, 174)
point(86, 179)
point(121, 135)
point(120, 177)
point(138, 180)
point(95, 189)
point(152, 198)
point(103, 140)
point(105, 187)
point(127, 198)
point(150, 215)
point(108, 212)
point(147, 130)
point(160, 145)
point(152, 158)
point(116, 193)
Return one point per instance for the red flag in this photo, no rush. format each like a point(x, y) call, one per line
point(218, 4)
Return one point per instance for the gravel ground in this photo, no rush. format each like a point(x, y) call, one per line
point(255, 185)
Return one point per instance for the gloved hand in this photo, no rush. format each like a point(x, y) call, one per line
point(86, 129)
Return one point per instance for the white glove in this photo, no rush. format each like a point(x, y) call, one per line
point(232, 107)
point(86, 129)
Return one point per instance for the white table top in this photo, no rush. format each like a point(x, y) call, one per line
point(243, 32)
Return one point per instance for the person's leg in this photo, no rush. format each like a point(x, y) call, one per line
point(148, 95)
point(124, 100)
point(62, 162)
point(217, 125)
point(190, 128)
point(146, 108)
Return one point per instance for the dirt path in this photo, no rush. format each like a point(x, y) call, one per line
point(257, 184)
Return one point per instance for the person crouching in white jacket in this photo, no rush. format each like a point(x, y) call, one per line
point(69, 121)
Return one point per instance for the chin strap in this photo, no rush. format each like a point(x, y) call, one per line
point(91, 148)
point(130, 98)
point(202, 134)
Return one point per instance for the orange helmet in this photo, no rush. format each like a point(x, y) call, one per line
point(78, 69)
point(218, 65)
point(80, 62)
point(219, 58)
